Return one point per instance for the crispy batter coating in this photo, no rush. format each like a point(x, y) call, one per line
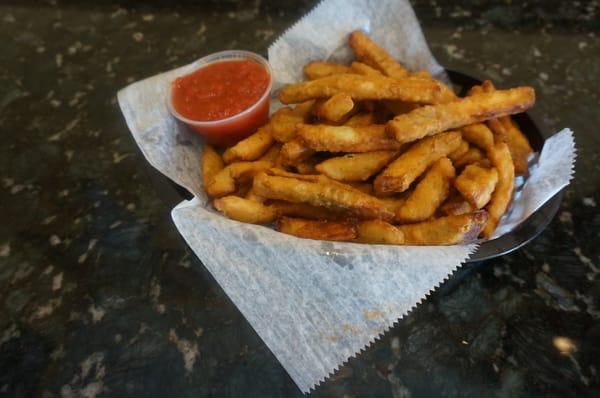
point(429, 193)
point(283, 122)
point(322, 137)
point(499, 155)
point(473, 155)
point(245, 210)
point(433, 119)
point(364, 69)
point(372, 54)
point(378, 59)
point(294, 152)
point(518, 145)
point(319, 230)
point(365, 187)
point(316, 70)
point(355, 166)
point(250, 148)
point(335, 109)
point(479, 135)
point(379, 232)
point(460, 151)
point(321, 193)
point(455, 205)
point(449, 230)
point(398, 176)
point(211, 164)
point(359, 87)
point(395, 202)
point(506, 130)
point(476, 184)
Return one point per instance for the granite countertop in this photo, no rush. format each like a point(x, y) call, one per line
point(99, 296)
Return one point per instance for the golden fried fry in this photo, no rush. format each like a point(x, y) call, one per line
point(250, 148)
point(320, 193)
point(355, 166)
point(479, 135)
point(363, 187)
point(447, 230)
point(361, 120)
point(221, 184)
point(473, 155)
point(372, 54)
point(351, 186)
point(506, 130)
point(518, 144)
point(245, 210)
point(380, 60)
point(304, 210)
point(429, 193)
point(224, 182)
point(430, 120)
point(335, 109)
point(460, 151)
point(211, 164)
point(394, 203)
point(360, 87)
point(398, 176)
point(272, 154)
point(499, 155)
point(322, 137)
point(320, 230)
point(251, 195)
point(283, 122)
point(294, 152)
point(364, 69)
point(357, 186)
point(476, 184)
point(456, 205)
point(316, 70)
point(379, 232)
point(475, 90)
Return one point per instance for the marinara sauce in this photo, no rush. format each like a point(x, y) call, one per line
point(225, 100)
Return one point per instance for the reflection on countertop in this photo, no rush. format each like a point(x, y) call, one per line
point(100, 296)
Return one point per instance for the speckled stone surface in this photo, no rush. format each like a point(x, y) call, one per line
point(100, 297)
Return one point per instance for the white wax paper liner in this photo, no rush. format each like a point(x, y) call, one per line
point(315, 304)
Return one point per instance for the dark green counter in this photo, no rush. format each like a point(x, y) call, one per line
point(100, 297)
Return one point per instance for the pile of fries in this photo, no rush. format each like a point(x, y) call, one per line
point(374, 153)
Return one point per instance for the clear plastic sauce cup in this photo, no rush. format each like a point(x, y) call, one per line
point(229, 130)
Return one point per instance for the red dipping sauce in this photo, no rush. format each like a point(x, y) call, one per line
point(224, 100)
